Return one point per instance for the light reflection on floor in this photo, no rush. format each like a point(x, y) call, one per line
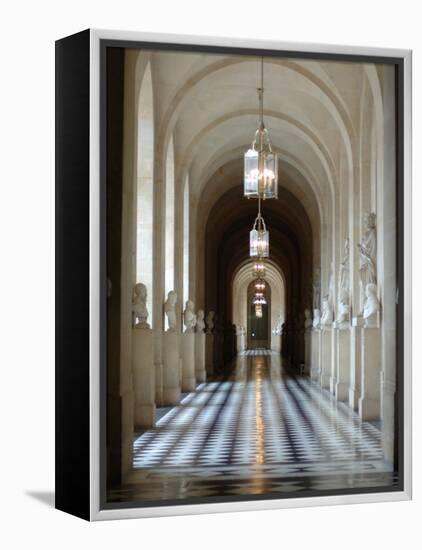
point(258, 432)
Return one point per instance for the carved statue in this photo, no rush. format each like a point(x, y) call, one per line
point(371, 305)
point(368, 251)
point(327, 311)
point(368, 255)
point(327, 307)
point(170, 310)
point(343, 305)
point(317, 289)
point(278, 325)
point(210, 322)
point(139, 306)
point(200, 323)
point(308, 318)
point(189, 317)
point(316, 323)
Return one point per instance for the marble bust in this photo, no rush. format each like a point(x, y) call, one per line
point(316, 323)
point(210, 322)
point(189, 317)
point(371, 305)
point(200, 323)
point(170, 310)
point(308, 318)
point(139, 306)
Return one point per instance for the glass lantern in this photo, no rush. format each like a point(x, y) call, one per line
point(258, 311)
point(251, 173)
point(259, 285)
point(259, 299)
point(258, 270)
point(261, 168)
point(259, 241)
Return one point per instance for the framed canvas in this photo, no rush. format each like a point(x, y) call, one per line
point(233, 281)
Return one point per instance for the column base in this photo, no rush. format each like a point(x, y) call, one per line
point(188, 384)
point(171, 396)
point(353, 400)
point(341, 391)
point(314, 374)
point(325, 381)
point(144, 416)
point(369, 409)
point(201, 376)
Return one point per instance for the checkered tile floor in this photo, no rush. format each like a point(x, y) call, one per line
point(258, 431)
point(257, 352)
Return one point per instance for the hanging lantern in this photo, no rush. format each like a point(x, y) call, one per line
point(258, 270)
point(260, 162)
point(259, 299)
point(259, 243)
point(259, 285)
point(258, 310)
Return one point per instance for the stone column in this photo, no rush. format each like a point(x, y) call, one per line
point(209, 353)
point(200, 371)
point(188, 361)
point(341, 389)
point(171, 365)
point(209, 344)
point(315, 354)
point(355, 363)
point(143, 377)
point(326, 356)
point(308, 350)
point(369, 402)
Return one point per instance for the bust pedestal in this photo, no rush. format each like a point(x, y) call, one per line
point(200, 372)
point(341, 388)
point(209, 353)
point(370, 394)
point(326, 356)
point(143, 377)
point(240, 341)
point(315, 354)
point(171, 362)
point(355, 362)
point(188, 361)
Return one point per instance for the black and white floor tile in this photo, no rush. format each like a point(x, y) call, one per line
point(257, 352)
point(256, 432)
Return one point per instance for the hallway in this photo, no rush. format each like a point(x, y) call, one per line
point(258, 431)
point(246, 235)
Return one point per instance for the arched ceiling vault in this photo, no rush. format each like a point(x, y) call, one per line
point(212, 76)
point(219, 133)
point(291, 180)
point(227, 244)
